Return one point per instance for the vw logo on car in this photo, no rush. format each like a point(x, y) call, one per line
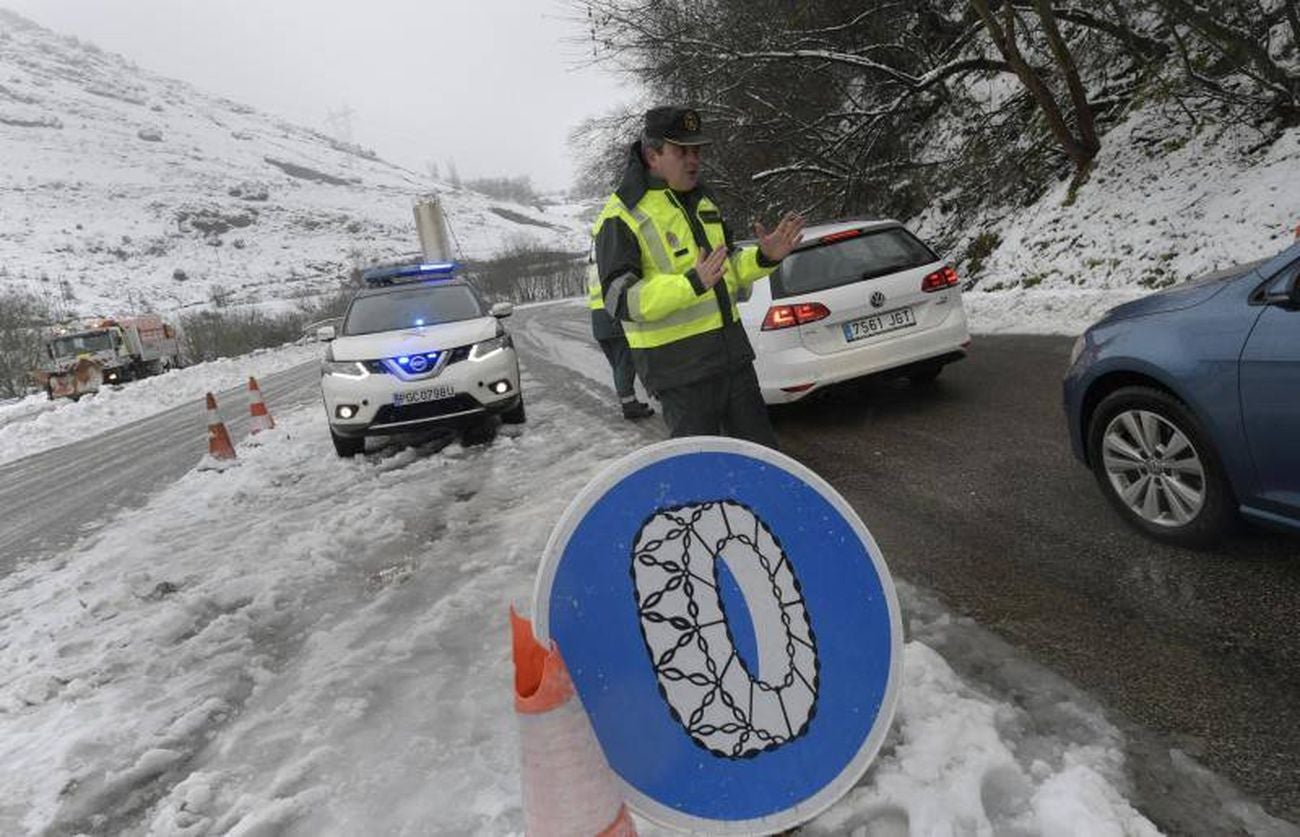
point(877, 299)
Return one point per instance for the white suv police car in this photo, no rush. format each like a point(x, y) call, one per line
point(418, 349)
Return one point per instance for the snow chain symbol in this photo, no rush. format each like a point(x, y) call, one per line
point(724, 707)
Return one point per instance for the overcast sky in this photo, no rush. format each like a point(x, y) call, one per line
point(494, 85)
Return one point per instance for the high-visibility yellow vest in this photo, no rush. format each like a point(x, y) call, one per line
point(663, 305)
point(595, 300)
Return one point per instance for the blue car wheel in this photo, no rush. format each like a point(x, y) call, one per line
point(1156, 466)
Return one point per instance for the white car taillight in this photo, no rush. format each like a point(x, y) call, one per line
point(786, 316)
point(945, 277)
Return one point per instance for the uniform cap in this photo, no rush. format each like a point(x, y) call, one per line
point(680, 126)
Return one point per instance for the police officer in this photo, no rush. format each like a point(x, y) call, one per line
point(609, 334)
point(670, 274)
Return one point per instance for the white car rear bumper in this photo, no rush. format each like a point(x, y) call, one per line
point(797, 367)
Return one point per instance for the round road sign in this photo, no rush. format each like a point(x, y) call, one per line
point(731, 629)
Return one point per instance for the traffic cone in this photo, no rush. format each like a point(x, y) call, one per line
point(568, 787)
point(261, 419)
point(219, 446)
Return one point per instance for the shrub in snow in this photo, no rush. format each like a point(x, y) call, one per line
point(249, 190)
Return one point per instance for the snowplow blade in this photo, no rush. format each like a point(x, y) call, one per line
point(84, 378)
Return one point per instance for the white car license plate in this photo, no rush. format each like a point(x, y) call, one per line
point(878, 324)
point(419, 396)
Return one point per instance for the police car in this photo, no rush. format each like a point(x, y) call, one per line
point(418, 349)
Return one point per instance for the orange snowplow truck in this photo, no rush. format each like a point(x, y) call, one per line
point(81, 357)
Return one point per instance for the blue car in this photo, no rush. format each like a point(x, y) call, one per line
point(1186, 403)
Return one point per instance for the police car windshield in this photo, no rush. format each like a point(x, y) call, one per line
point(411, 307)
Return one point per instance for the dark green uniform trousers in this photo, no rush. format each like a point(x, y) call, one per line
point(726, 404)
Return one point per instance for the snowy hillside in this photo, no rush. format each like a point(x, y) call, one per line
point(122, 189)
point(1164, 203)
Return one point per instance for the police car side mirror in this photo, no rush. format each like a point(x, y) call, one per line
point(501, 310)
point(325, 333)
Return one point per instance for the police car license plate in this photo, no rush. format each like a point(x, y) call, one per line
point(881, 323)
point(419, 396)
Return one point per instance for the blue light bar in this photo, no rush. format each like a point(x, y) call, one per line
point(410, 272)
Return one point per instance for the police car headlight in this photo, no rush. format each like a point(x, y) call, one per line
point(343, 368)
point(487, 348)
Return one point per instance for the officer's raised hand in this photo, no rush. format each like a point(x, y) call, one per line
point(778, 243)
point(711, 267)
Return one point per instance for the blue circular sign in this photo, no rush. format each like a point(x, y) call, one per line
point(731, 629)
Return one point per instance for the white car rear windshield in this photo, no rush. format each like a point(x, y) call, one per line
point(866, 256)
point(422, 305)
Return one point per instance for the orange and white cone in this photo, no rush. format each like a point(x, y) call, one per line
point(260, 419)
point(219, 446)
point(568, 787)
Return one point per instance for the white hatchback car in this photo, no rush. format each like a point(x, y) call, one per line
point(418, 349)
point(855, 298)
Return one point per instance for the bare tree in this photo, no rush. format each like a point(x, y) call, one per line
point(526, 272)
point(22, 316)
point(518, 189)
point(814, 101)
point(1080, 147)
point(1238, 35)
point(599, 145)
point(884, 106)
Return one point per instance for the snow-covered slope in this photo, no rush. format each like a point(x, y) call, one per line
point(121, 189)
point(1165, 202)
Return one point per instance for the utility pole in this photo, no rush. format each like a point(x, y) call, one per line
point(339, 124)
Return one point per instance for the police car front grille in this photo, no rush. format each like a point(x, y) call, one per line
point(390, 414)
point(379, 367)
